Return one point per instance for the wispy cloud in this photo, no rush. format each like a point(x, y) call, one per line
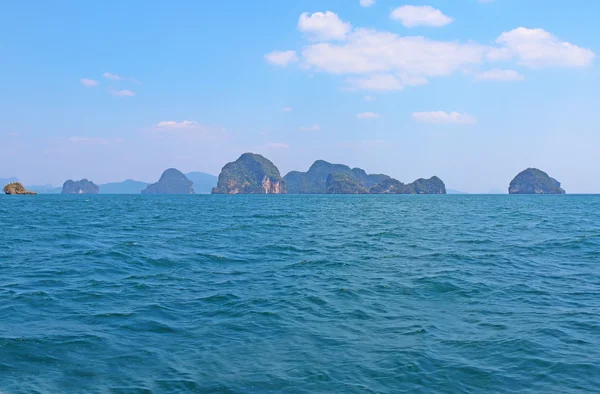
point(287, 109)
point(123, 93)
point(368, 98)
point(499, 75)
point(367, 3)
point(115, 77)
point(413, 16)
point(314, 127)
point(281, 58)
point(186, 130)
point(441, 117)
point(367, 115)
point(89, 83)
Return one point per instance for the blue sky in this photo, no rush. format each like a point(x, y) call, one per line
point(472, 91)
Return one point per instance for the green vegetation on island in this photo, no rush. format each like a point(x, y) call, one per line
point(172, 181)
point(250, 174)
point(534, 181)
point(80, 187)
point(314, 181)
point(16, 188)
point(327, 178)
point(341, 183)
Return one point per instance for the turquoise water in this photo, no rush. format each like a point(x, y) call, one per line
point(136, 294)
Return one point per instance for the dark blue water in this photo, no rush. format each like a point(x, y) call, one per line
point(136, 294)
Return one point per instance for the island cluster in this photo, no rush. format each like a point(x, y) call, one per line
point(254, 174)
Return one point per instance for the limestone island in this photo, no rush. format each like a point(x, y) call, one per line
point(80, 187)
point(254, 174)
point(534, 181)
point(16, 188)
point(172, 181)
point(327, 178)
point(250, 174)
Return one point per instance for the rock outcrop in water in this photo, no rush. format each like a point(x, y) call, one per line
point(16, 188)
point(250, 174)
point(534, 181)
point(327, 178)
point(172, 181)
point(80, 187)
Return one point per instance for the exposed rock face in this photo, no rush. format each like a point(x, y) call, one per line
point(172, 181)
point(534, 181)
point(314, 181)
point(341, 183)
point(250, 174)
point(433, 185)
point(80, 187)
point(388, 186)
point(16, 188)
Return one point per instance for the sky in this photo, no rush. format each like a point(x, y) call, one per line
point(473, 91)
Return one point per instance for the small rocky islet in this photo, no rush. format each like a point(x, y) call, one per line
point(534, 181)
point(172, 181)
point(16, 188)
point(83, 186)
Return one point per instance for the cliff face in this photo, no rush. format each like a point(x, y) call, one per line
point(314, 181)
point(388, 186)
point(172, 181)
point(250, 174)
point(80, 187)
point(16, 188)
point(534, 181)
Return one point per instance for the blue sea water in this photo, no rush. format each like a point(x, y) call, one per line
point(299, 294)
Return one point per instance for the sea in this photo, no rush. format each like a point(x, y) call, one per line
point(299, 294)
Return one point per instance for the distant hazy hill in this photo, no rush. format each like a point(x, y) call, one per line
point(452, 191)
point(128, 186)
point(203, 183)
point(44, 189)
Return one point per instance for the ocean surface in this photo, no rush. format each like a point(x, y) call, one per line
point(299, 294)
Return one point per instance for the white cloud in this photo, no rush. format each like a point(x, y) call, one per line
point(441, 117)
point(499, 75)
point(186, 130)
point(413, 16)
point(314, 127)
point(536, 48)
point(90, 83)
point(414, 59)
point(375, 83)
point(367, 3)
point(287, 109)
point(114, 77)
point(281, 58)
point(278, 145)
point(368, 98)
point(123, 93)
point(171, 124)
point(89, 140)
point(367, 115)
point(323, 26)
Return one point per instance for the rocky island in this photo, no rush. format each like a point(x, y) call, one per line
point(250, 174)
point(327, 178)
point(172, 181)
point(80, 187)
point(16, 188)
point(534, 181)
